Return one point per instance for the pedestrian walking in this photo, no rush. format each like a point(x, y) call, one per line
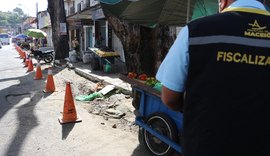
point(217, 72)
point(76, 47)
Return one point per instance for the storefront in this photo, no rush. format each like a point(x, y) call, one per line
point(91, 29)
point(103, 32)
point(88, 35)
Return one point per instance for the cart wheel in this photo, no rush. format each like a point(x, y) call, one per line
point(141, 136)
point(165, 126)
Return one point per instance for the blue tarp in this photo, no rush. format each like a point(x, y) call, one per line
point(21, 36)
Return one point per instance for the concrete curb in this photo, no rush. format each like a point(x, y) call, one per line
point(95, 79)
point(87, 76)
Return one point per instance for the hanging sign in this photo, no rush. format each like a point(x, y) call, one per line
point(63, 28)
point(98, 14)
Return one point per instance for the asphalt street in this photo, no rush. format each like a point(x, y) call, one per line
point(29, 119)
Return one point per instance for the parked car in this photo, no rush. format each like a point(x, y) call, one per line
point(5, 39)
point(0, 44)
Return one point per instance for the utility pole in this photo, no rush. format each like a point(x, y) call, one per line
point(37, 14)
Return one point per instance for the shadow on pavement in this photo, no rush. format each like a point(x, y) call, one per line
point(20, 98)
point(139, 150)
point(66, 129)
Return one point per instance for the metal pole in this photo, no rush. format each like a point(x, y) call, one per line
point(107, 32)
point(37, 14)
point(94, 33)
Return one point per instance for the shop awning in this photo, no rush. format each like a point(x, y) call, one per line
point(152, 12)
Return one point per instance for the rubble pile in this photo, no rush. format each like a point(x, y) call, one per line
point(115, 107)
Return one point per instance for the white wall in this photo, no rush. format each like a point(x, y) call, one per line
point(93, 2)
point(44, 19)
point(117, 46)
point(49, 37)
point(76, 2)
point(66, 6)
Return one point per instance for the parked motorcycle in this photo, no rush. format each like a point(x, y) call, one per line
point(46, 56)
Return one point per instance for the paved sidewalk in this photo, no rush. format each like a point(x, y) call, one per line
point(98, 75)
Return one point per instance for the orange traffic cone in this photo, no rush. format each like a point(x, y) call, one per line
point(23, 55)
point(50, 83)
point(20, 52)
point(30, 65)
point(69, 112)
point(38, 72)
point(26, 62)
point(16, 47)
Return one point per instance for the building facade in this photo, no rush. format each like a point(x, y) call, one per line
point(88, 24)
point(44, 23)
point(28, 23)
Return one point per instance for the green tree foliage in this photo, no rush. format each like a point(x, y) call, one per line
point(12, 18)
point(19, 11)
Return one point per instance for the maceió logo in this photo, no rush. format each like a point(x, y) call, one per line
point(257, 31)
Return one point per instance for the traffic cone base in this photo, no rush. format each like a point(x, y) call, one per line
point(69, 113)
point(60, 119)
point(38, 78)
point(48, 91)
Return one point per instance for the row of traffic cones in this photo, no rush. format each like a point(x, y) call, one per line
point(69, 114)
point(50, 87)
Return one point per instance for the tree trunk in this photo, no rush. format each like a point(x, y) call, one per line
point(60, 41)
point(144, 47)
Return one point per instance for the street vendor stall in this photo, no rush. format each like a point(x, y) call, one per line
point(103, 59)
